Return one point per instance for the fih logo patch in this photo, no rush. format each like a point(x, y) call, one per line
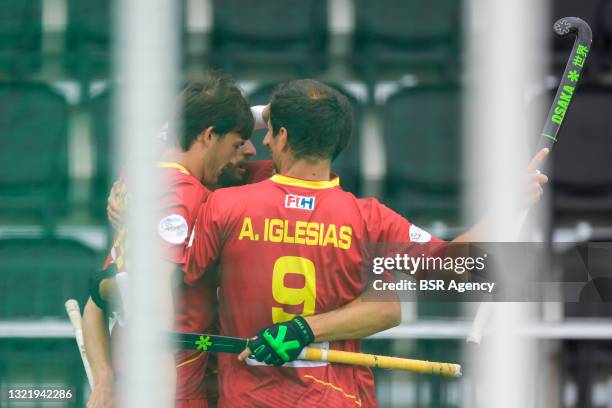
point(302, 203)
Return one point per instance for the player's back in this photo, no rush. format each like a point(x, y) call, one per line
point(290, 247)
point(297, 242)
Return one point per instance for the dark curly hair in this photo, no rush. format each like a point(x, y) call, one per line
point(213, 101)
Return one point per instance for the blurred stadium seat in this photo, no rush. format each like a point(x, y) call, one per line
point(247, 33)
point(439, 390)
point(605, 41)
point(89, 33)
point(598, 13)
point(347, 164)
point(582, 169)
point(422, 134)
point(90, 37)
point(33, 150)
point(37, 275)
point(589, 265)
point(416, 390)
point(102, 122)
point(20, 35)
point(407, 34)
point(581, 178)
point(40, 363)
point(586, 363)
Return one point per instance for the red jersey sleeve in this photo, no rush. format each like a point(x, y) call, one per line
point(173, 226)
point(385, 225)
point(206, 240)
point(393, 234)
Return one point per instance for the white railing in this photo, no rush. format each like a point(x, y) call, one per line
point(571, 329)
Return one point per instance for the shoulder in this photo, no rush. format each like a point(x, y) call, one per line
point(229, 203)
point(253, 190)
point(371, 206)
point(174, 178)
point(377, 212)
point(229, 198)
point(379, 217)
point(182, 194)
point(184, 188)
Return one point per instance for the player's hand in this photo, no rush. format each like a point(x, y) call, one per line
point(102, 395)
point(116, 204)
point(281, 342)
point(535, 190)
point(265, 114)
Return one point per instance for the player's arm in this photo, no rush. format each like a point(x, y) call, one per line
point(96, 336)
point(283, 342)
point(534, 194)
point(357, 319)
point(206, 240)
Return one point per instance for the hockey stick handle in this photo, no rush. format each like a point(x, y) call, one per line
point(372, 360)
point(74, 314)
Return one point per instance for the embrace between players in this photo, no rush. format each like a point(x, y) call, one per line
point(284, 248)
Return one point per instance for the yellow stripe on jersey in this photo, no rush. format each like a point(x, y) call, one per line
point(118, 250)
point(319, 185)
point(184, 363)
point(335, 388)
point(173, 165)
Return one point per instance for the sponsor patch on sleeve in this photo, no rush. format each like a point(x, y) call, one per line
point(418, 235)
point(173, 229)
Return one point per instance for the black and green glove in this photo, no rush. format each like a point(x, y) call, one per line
point(281, 342)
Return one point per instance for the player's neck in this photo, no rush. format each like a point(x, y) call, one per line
point(315, 170)
point(190, 162)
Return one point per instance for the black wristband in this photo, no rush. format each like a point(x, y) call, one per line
point(302, 326)
point(94, 286)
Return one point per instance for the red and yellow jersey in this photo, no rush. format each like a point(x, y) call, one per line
point(288, 247)
point(255, 172)
point(195, 305)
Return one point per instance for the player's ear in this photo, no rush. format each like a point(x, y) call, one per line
point(282, 139)
point(207, 136)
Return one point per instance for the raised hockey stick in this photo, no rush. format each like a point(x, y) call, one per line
point(550, 133)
